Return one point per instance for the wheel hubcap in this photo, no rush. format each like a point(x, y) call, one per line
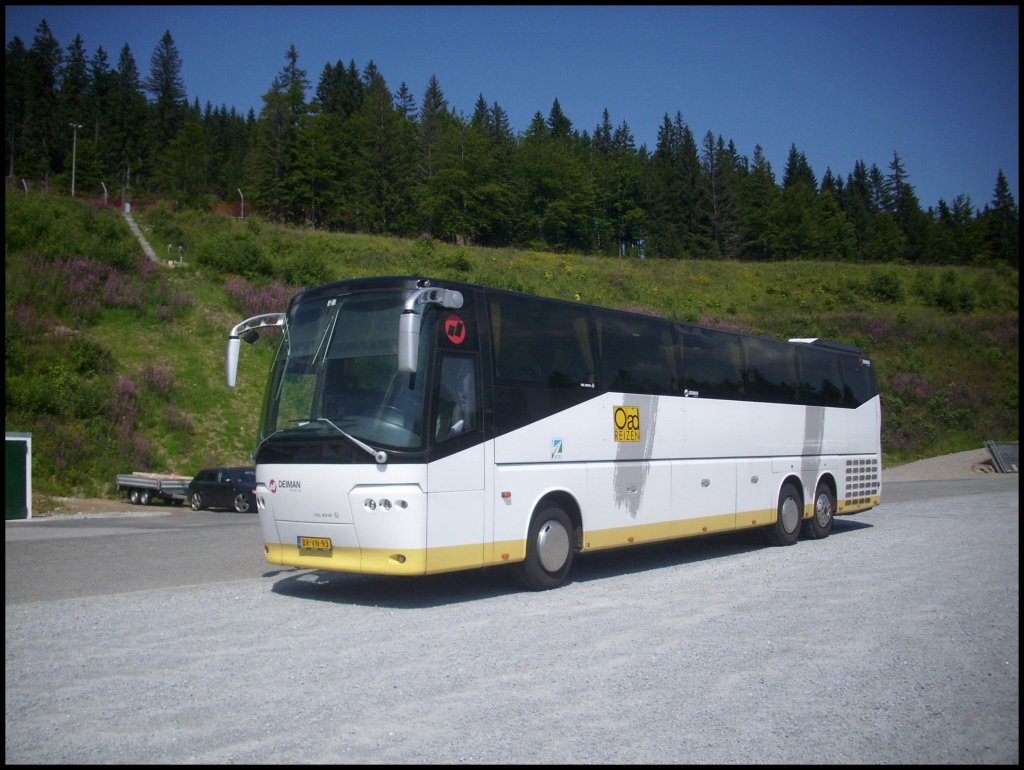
point(552, 545)
point(790, 514)
point(823, 510)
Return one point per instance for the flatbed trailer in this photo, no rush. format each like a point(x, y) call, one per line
point(143, 487)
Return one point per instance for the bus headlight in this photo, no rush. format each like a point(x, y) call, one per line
point(385, 503)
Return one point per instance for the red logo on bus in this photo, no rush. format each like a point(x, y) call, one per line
point(455, 330)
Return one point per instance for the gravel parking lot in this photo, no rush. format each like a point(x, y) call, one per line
point(895, 640)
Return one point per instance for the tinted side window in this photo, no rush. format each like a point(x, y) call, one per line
point(859, 384)
point(820, 378)
point(711, 363)
point(456, 403)
point(637, 355)
point(540, 344)
point(770, 370)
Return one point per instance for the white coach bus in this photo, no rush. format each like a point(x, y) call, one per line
point(413, 426)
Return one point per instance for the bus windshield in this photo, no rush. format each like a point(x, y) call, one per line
point(337, 368)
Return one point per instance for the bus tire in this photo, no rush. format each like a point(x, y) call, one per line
point(549, 550)
point(820, 524)
point(786, 529)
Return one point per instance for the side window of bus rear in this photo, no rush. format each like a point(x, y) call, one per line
point(637, 355)
point(540, 344)
point(859, 382)
point(711, 363)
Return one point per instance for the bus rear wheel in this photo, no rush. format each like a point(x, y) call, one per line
point(820, 525)
point(786, 529)
point(549, 550)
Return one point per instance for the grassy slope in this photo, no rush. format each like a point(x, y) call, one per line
point(949, 379)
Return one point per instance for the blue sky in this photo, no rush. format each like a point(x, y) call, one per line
point(939, 85)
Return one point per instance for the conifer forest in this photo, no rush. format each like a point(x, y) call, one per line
point(343, 150)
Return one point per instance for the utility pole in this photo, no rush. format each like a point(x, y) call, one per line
point(74, 154)
point(243, 203)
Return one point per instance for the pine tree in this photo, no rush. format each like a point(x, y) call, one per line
point(294, 84)
point(432, 128)
point(312, 181)
point(228, 137)
point(856, 203)
point(98, 94)
point(481, 119)
point(835, 238)
point(184, 165)
point(798, 171)
point(44, 153)
point(627, 216)
point(553, 205)
point(881, 194)
point(722, 169)
point(955, 239)
point(558, 123)
point(1002, 224)
point(384, 166)
point(167, 90)
point(759, 203)
point(340, 90)
point(500, 126)
point(127, 120)
point(74, 85)
point(431, 124)
point(272, 146)
point(678, 213)
point(906, 209)
point(15, 105)
point(488, 164)
point(405, 102)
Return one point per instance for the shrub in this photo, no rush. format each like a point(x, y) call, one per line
point(886, 286)
point(236, 252)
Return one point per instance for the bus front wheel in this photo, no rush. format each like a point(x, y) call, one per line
point(786, 528)
point(549, 550)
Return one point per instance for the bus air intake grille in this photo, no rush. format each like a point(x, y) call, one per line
point(862, 481)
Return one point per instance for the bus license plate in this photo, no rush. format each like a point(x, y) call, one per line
point(318, 544)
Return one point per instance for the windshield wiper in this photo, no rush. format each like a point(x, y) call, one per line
point(379, 455)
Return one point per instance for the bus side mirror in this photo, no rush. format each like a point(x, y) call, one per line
point(231, 365)
point(408, 341)
point(247, 331)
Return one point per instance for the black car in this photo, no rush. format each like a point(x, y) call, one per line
point(223, 488)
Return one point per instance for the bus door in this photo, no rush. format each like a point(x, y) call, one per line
point(456, 515)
